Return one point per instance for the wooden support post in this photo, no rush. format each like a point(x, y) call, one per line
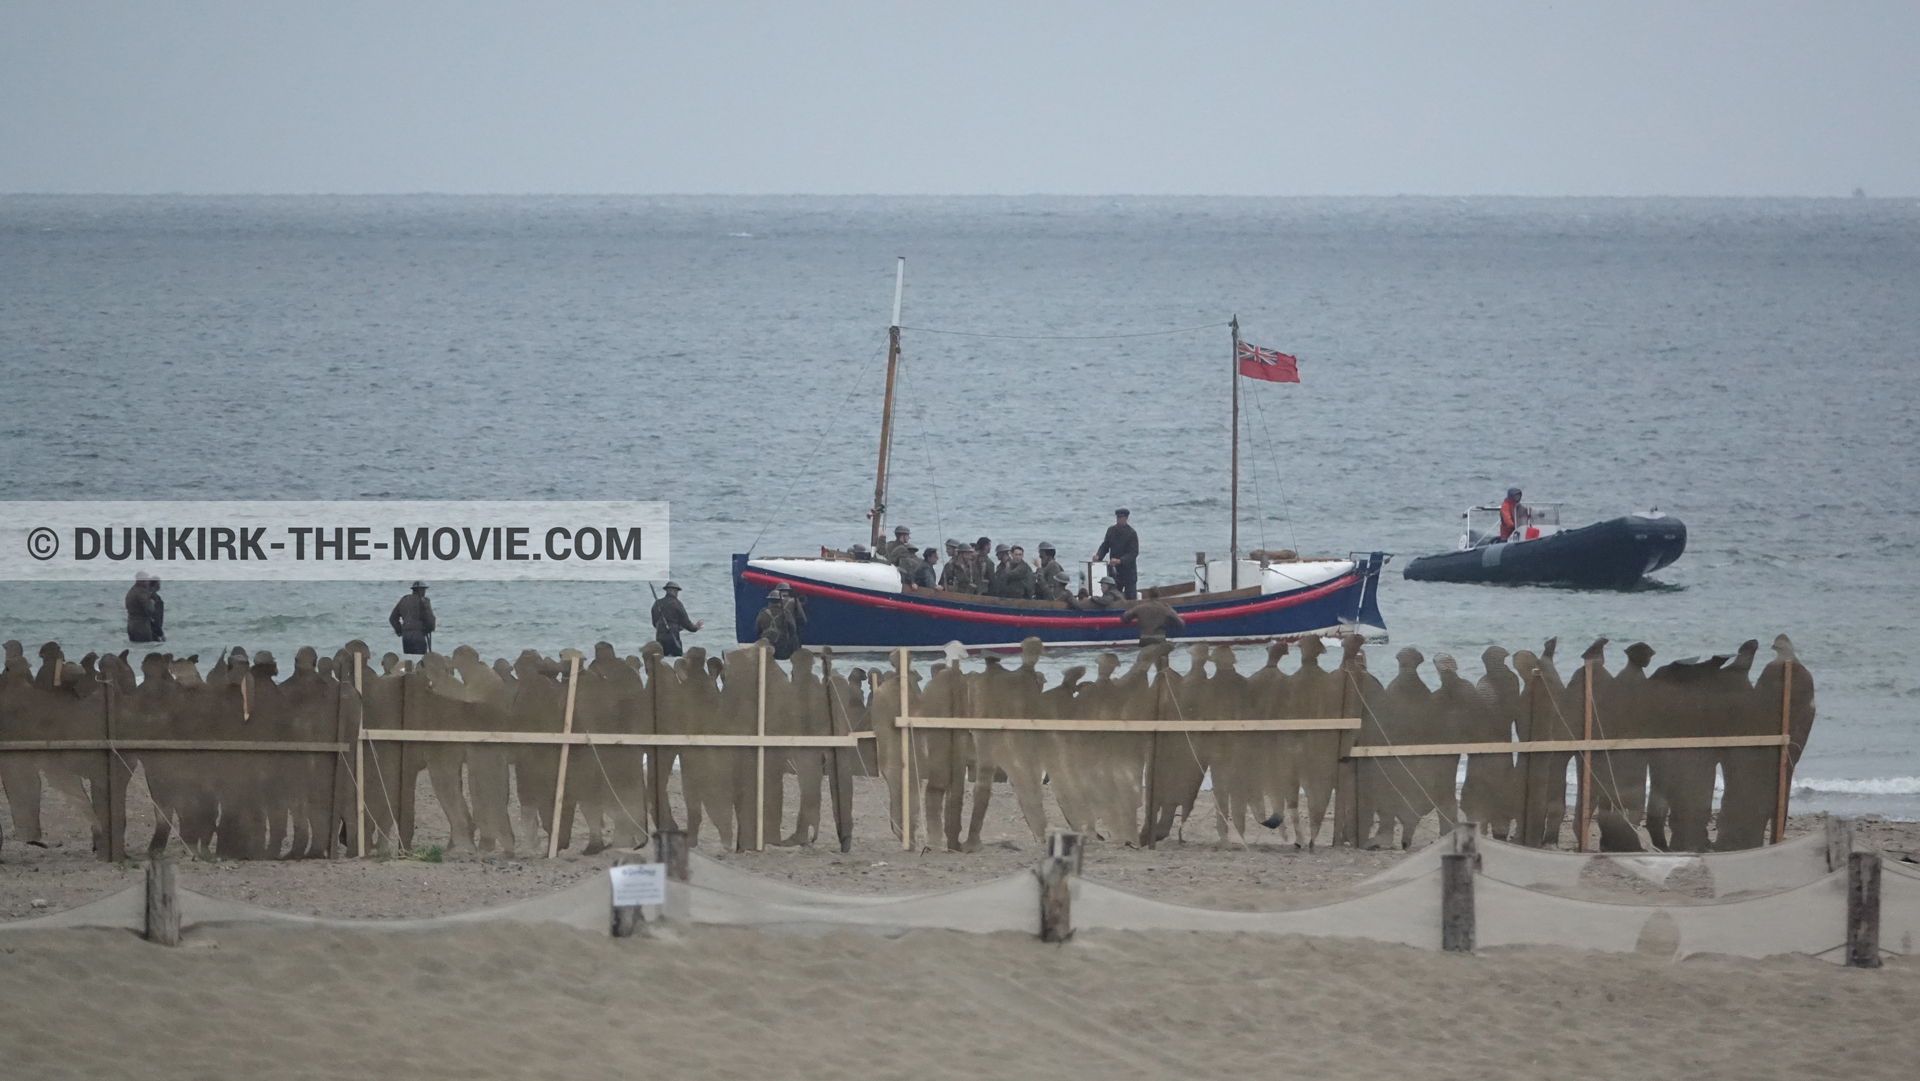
point(402, 838)
point(1839, 842)
point(1456, 902)
point(359, 772)
point(760, 764)
point(1347, 775)
point(566, 728)
point(1056, 898)
point(906, 755)
point(670, 848)
point(628, 919)
point(1585, 816)
point(163, 904)
point(336, 829)
point(1069, 846)
point(1863, 910)
point(1150, 834)
point(840, 783)
point(1786, 733)
point(657, 757)
point(118, 777)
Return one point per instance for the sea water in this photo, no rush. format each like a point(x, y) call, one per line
point(1746, 365)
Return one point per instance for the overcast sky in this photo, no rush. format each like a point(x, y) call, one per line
point(1347, 98)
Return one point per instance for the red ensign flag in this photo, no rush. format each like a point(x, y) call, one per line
point(1269, 364)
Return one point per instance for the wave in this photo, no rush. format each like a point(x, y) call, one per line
point(1871, 786)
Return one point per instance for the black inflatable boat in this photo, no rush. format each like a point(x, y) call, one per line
point(1614, 554)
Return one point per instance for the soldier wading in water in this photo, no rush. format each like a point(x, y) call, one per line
point(412, 619)
point(670, 618)
point(146, 612)
point(780, 622)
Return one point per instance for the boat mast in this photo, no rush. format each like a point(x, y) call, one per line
point(1233, 542)
point(886, 412)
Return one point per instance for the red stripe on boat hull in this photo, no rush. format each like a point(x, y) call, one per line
point(814, 589)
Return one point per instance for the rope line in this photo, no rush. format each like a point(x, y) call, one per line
point(1388, 777)
point(1067, 337)
point(614, 791)
point(820, 441)
point(1273, 454)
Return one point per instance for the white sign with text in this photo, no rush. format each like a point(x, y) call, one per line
point(273, 540)
point(639, 884)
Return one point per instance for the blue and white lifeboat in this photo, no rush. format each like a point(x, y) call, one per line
point(863, 606)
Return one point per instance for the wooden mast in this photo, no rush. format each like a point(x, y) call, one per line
point(1233, 540)
point(879, 511)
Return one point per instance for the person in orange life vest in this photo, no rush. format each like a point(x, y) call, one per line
point(1510, 514)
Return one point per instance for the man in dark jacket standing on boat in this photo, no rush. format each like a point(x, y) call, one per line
point(670, 618)
point(1121, 550)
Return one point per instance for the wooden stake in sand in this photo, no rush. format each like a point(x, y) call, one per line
point(163, 904)
point(566, 728)
point(670, 848)
point(1863, 910)
point(1456, 902)
point(1068, 846)
point(1056, 898)
point(1786, 733)
point(1839, 842)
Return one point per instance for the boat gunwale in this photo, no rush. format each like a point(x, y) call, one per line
point(921, 604)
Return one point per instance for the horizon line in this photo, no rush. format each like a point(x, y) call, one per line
point(1856, 195)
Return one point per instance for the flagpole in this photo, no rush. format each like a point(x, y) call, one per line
point(1233, 541)
point(886, 411)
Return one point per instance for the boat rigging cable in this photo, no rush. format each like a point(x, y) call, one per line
point(1273, 454)
point(1067, 337)
point(933, 475)
point(920, 417)
point(819, 441)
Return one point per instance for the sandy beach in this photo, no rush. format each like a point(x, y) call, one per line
point(507, 1002)
point(516, 1001)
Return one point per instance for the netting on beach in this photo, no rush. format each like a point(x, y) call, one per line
point(242, 764)
point(1402, 906)
point(1761, 870)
